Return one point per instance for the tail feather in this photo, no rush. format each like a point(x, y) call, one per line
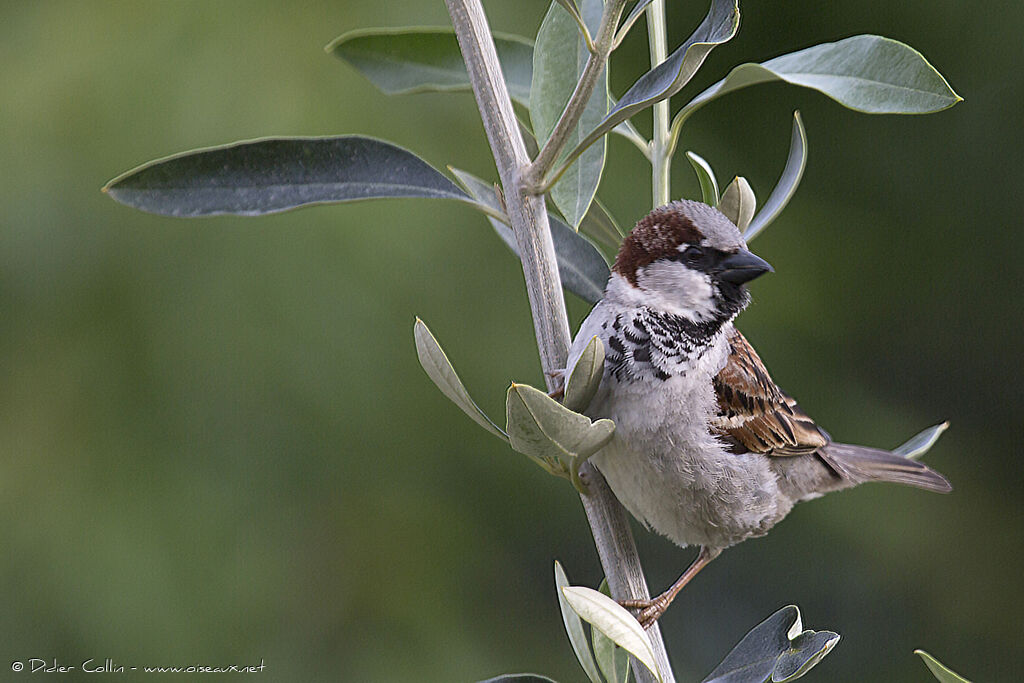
point(861, 463)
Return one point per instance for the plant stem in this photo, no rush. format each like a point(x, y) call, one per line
point(529, 219)
point(527, 213)
point(570, 118)
point(661, 157)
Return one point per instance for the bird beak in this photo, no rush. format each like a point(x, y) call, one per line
point(741, 267)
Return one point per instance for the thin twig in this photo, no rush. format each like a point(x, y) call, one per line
point(574, 12)
point(528, 215)
point(570, 118)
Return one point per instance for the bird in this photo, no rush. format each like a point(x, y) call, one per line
point(707, 450)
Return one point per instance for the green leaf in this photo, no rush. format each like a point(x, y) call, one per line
point(581, 267)
point(670, 76)
point(706, 178)
point(917, 446)
point(600, 225)
point(423, 59)
point(585, 377)
point(777, 650)
point(611, 659)
point(738, 202)
point(559, 58)
point(866, 73)
point(939, 670)
point(788, 182)
point(556, 438)
point(632, 17)
point(611, 619)
point(484, 193)
point(276, 174)
point(574, 627)
point(519, 678)
point(437, 367)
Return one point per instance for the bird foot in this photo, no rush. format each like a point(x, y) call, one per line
point(559, 378)
point(648, 611)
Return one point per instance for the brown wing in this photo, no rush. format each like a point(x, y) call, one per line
point(758, 415)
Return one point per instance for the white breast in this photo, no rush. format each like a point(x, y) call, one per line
point(666, 467)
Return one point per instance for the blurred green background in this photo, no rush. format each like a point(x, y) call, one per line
point(216, 444)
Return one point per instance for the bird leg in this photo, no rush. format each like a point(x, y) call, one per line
point(651, 610)
point(557, 376)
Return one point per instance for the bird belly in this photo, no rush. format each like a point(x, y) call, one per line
point(675, 477)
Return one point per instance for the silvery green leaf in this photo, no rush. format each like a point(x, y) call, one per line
point(559, 58)
point(440, 370)
point(581, 266)
point(941, 672)
point(777, 650)
point(574, 627)
point(424, 59)
point(611, 619)
point(788, 182)
point(585, 378)
point(519, 678)
point(706, 178)
point(611, 659)
point(670, 76)
point(556, 438)
point(258, 177)
point(917, 446)
point(632, 17)
point(866, 73)
point(601, 226)
point(806, 650)
point(738, 202)
point(528, 140)
point(482, 192)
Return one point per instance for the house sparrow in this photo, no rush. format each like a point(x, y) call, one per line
point(707, 449)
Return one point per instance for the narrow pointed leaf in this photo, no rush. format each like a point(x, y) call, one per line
point(941, 672)
point(866, 73)
point(611, 659)
point(423, 59)
point(607, 616)
point(440, 370)
point(559, 57)
point(574, 627)
point(777, 650)
point(581, 266)
point(276, 174)
point(634, 14)
point(601, 226)
point(409, 60)
point(917, 446)
point(480, 190)
point(519, 678)
point(585, 377)
point(670, 76)
point(788, 182)
point(706, 178)
point(738, 202)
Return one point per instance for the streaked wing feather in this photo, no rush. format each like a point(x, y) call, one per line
point(755, 413)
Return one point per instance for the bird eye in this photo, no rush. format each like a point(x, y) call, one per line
point(693, 254)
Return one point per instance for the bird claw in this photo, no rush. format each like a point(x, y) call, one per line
point(648, 611)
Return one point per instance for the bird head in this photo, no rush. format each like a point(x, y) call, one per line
point(686, 258)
